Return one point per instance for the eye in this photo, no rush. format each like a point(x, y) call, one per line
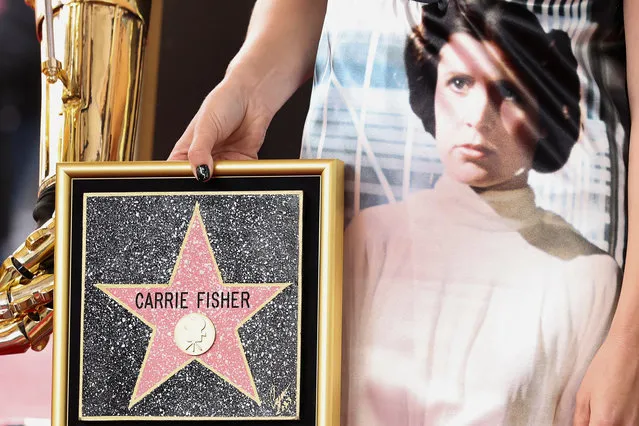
point(508, 92)
point(460, 84)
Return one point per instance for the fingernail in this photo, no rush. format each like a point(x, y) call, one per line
point(203, 173)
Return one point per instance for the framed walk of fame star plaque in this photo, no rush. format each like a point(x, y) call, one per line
point(180, 302)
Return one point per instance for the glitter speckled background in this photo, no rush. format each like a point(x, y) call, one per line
point(136, 240)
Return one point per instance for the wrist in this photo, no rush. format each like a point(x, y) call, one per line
point(245, 72)
point(267, 82)
point(625, 322)
point(247, 83)
point(625, 328)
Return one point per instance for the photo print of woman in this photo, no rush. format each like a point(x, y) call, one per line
point(485, 221)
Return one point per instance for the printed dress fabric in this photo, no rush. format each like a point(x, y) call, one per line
point(485, 144)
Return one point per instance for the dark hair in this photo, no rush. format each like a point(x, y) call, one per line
point(543, 61)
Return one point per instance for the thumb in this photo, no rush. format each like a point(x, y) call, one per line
point(220, 115)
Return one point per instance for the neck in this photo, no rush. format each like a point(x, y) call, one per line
point(495, 208)
point(519, 181)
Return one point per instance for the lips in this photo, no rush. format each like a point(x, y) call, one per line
point(473, 151)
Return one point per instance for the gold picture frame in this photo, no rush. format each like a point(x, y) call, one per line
point(318, 184)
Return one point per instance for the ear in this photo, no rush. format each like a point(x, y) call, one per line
point(541, 133)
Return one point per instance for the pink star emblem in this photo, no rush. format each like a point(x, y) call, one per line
point(192, 288)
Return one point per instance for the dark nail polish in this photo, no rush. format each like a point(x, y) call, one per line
point(203, 173)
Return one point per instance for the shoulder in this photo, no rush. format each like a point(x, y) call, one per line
point(590, 275)
point(560, 239)
point(381, 218)
point(391, 221)
point(380, 235)
point(593, 284)
point(584, 264)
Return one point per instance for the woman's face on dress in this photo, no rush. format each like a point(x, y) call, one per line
point(485, 122)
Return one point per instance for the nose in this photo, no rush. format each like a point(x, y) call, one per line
point(480, 108)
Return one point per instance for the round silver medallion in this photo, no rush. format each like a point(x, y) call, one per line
point(194, 334)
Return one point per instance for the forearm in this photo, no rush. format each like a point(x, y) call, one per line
point(626, 321)
point(279, 51)
point(625, 324)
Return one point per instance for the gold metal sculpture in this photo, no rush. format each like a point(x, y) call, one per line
point(92, 69)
